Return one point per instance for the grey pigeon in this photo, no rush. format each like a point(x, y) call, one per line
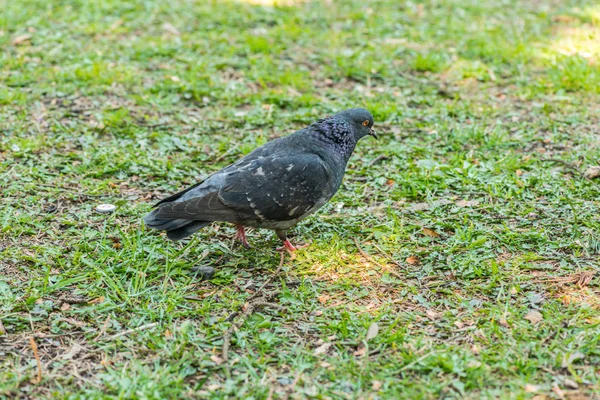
point(274, 187)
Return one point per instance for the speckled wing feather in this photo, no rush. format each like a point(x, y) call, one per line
point(272, 188)
point(277, 188)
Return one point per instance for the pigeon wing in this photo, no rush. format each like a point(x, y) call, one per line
point(277, 187)
point(272, 188)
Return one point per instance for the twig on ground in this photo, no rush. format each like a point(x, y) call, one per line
point(418, 360)
point(377, 159)
point(37, 359)
point(138, 329)
point(73, 300)
point(366, 255)
point(386, 255)
point(192, 298)
point(103, 329)
point(232, 316)
point(267, 304)
point(581, 279)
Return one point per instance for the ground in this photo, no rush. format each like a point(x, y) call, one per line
point(460, 258)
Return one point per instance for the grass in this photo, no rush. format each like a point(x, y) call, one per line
point(468, 234)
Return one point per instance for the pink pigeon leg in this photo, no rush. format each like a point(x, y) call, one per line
point(241, 236)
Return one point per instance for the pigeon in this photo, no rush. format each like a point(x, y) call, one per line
point(274, 187)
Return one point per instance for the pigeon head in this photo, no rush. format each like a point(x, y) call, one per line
point(360, 121)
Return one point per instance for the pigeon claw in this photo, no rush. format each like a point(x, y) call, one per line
point(241, 236)
point(290, 248)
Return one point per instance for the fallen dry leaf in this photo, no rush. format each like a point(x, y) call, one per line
point(325, 364)
point(97, 300)
point(105, 362)
point(592, 172)
point(534, 316)
point(21, 39)
point(372, 331)
point(467, 203)
point(324, 298)
point(432, 315)
point(376, 385)
point(361, 351)
point(322, 348)
point(459, 324)
point(531, 388)
point(72, 352)
point(216, 359)
point(430, 232)
point(503, 322)
point(168, 334)
point(570, 384)
point(412, 260)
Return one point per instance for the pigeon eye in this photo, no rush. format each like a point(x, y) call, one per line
point(366, 123)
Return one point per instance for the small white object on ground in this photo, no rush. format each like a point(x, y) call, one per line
point(106, 208)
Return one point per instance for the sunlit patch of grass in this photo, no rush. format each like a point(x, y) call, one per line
point(571, 57)
point(587, 13)
point(581, 41)
point(575, 73)
point(349, 268)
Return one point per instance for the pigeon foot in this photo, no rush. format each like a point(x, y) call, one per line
point(241, 236)
point(290, 248)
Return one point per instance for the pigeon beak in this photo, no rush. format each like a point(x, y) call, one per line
point(373, 133)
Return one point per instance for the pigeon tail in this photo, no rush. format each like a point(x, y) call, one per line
point(187, 230)
point(177, 228)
